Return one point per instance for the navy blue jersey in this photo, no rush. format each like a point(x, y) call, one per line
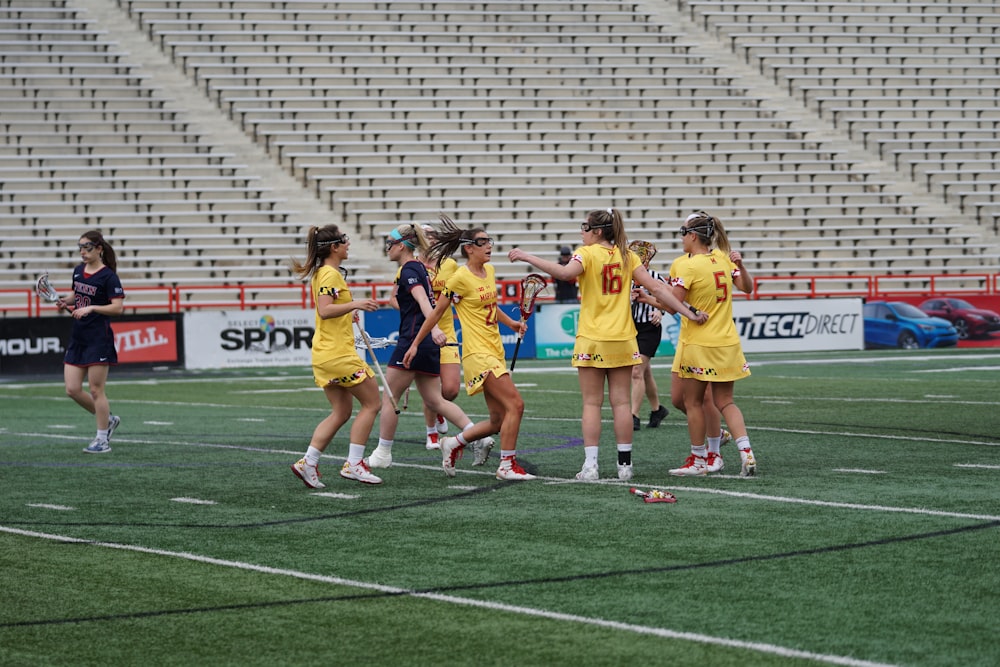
point(92, 340)
point(411, 318)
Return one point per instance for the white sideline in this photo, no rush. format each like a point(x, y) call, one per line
point(451, 599)
point(610, 482)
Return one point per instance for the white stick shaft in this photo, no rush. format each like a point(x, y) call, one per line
point(378, 368)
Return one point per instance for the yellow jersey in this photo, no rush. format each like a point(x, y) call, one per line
point(439, 278)
point(334, 336)
point(475, 301)
point(708, 279)
point(605, 293)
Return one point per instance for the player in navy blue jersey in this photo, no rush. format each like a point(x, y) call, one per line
point(415, 296)
point(97, 297)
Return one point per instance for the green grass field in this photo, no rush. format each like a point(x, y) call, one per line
point(871, 534)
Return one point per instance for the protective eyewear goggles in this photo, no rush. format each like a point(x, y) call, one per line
point(695, 229)
point(343, 238)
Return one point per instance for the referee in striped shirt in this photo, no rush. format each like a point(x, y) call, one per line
point(649, 330)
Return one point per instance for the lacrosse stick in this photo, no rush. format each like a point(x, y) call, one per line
point(44, 289)
point(531, 285)
point(654, 496)
point(376, 343)
point(371, 352)
point(645, 249)
point(406, 399)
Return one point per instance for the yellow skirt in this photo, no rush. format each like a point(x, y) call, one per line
point(605, 354)
point(710, 364)
point(449, 355)
point(477, 367)
point(343, 371)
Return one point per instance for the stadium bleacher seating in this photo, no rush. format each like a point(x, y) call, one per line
point(518, 116)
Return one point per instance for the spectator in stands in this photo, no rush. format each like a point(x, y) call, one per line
point(337, 368)
point(649, 331)
point(473, 291)
point(97, 297)
point(414, 294)
point(710, 356)
point(566, 290)
point(605, 348)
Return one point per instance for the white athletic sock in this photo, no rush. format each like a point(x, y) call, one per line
point(714, 445)
point(590, 456)
point(743, 443)
point(312, 456)
point(700, 451)
point(387, 444)
point(355, 453)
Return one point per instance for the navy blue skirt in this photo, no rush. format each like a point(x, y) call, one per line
point(91, 352)
point(427, 360)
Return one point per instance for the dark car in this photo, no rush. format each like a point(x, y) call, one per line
point(971, 322)
point(899, 324)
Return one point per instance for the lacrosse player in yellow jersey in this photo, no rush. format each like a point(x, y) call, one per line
point(710, 359)
point(413, 294)
point(451, 361)
point(473, 291)
point(605, 348)
point(337, 368)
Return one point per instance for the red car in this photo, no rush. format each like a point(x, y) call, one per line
point(971, 322)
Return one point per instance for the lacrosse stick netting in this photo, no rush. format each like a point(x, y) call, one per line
point(645, 249)
point(531, 286)
point(44, 289)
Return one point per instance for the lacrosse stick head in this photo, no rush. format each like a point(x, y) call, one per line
point(531, 285)
point(376, 343)
point(44, 289)
point(645, 249)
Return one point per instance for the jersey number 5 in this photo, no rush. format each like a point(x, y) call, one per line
point(722, 286)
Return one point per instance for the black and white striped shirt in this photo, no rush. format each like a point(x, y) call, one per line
point(643, 312)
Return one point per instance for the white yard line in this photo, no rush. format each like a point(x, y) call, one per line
point(665, 633)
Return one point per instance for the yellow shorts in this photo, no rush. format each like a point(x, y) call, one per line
point(710, 364)
point(344, 371)
point(477, 367)
point(449, 355)
point(605, 354)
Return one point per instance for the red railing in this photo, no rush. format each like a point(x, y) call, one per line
point(183, 298)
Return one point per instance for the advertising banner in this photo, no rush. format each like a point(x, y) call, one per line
point(555, 326)
point(241, 339)
point(37, 344)
point(146, 341)
point(800, 325)
point(33, 345)
point(778, 325)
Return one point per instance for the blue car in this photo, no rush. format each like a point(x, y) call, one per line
point(898, 324)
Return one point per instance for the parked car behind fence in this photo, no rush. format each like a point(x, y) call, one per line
point(971, 322)
point(899, 324)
